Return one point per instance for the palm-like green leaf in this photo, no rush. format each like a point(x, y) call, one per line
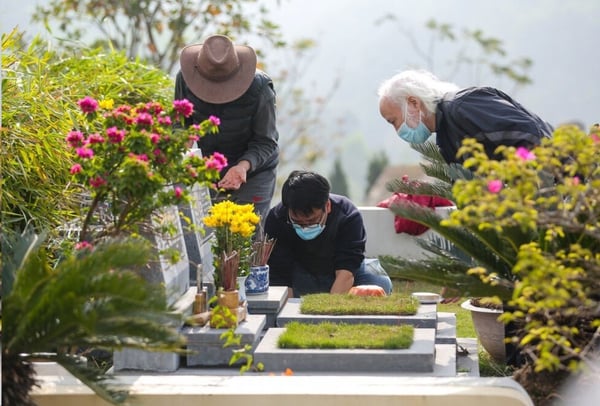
point(454, 254)
point(457, 249)
point(94, 300)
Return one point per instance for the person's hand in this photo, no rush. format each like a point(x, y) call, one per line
point(235, 176)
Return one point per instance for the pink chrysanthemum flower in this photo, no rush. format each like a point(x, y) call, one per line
point(115, 135)
point(183, 107)
point(215, 120)
point(75, 169)
point(88, 105)
point(95, 139)
point(75, 138)
point(164, 120)
point(97, 182)
point(154, 107)
point(494, 186)
point(525, 154)
point(144, 119)
point(154, 138)
point(83, 245)
point(84, 152)
point(216, 161)
point(178, 192)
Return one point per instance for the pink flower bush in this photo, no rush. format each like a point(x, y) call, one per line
point(133, 161)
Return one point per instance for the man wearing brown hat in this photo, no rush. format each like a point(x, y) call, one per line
point(221, 80)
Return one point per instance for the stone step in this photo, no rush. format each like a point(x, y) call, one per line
point(426, 316)
point(206, 343)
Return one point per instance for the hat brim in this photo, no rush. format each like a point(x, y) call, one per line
point(222, 91)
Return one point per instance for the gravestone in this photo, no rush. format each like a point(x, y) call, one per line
point(198, 238)
point(175, 277)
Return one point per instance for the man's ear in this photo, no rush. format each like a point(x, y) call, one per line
point(328, 206)
point(414, 105)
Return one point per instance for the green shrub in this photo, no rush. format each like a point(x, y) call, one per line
point(40, 89)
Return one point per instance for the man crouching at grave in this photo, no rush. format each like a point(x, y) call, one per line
point(321, 240)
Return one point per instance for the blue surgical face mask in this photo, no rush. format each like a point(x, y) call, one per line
point(417, 135)
point(312, 231)
point(309, 232)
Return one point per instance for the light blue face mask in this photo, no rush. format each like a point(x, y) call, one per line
point(417, 135)
point(309, 232)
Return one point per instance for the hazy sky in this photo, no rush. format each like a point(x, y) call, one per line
point(559, 36)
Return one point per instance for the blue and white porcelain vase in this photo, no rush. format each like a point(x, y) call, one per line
point(241, 285)
point(257, 281)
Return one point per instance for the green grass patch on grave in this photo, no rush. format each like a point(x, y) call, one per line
point(337, 305)
point(329, 335)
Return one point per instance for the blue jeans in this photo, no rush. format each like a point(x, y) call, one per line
point(369, 273)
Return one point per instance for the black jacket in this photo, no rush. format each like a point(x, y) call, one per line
point(488, 115)
point(341, 245)
point(248, 125)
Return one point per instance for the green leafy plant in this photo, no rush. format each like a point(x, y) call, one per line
point(93, 299)
point(452, 251)
point(40, 90)
point(535, 217)
point(223, 317)
point(133, 162)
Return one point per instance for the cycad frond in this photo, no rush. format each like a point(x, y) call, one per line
point(485, 248)
point(94, 300)
point(436, 167)
point(457, 249)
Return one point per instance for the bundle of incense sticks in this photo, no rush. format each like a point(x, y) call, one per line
point(261, 250)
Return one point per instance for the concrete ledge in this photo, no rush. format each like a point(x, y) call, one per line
point(382, 238)
point(419, 357)
point(58, 388)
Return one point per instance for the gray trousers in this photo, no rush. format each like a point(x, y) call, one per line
point(258, 190)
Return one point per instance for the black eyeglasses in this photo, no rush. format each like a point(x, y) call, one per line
point(307, 223)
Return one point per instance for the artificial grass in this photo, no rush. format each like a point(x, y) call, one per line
point(328, 335)
point(344, 304)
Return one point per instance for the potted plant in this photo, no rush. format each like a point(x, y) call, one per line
point(233, 225)
point(527, 226)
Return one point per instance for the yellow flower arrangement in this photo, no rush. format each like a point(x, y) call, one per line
point(234, 226)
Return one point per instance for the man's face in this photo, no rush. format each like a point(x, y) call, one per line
point(391, 113)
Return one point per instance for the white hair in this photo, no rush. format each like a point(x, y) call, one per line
point(417, 83)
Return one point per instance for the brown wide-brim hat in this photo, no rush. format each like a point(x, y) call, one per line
point(218, 71)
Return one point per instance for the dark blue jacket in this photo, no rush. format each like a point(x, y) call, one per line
point(341, 245)
point(488, 115)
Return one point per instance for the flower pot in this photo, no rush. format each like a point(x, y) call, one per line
point(229, 298)
point(258, 280)
point(489, 330)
